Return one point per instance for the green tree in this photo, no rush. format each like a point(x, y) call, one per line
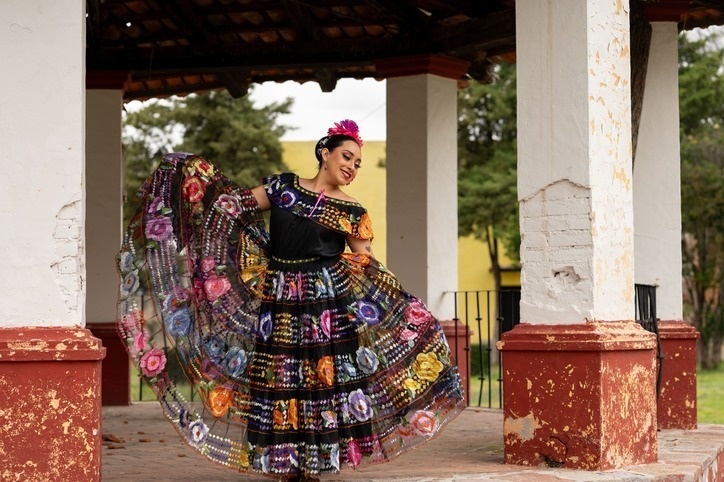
point(487, 162)
point(241, 140)
point(701, 94)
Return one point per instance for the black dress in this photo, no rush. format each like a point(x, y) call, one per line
point(303, 357)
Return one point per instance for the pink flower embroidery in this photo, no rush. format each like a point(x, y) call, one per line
point(153, 362)
point(139, 342)
point(325, 320)
point(199, 292)
point(407, 334)
point(207, 264)
point(229, 204)
point(417, 314)
point(354, 453)
point(423, 422)
point(216, 286)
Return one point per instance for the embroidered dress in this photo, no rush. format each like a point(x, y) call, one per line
point(302, 358)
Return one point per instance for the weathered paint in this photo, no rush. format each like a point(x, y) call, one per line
point(579, 396)
point(677, 395)
point(116, 374)
point(50, 410)
point(574, 161)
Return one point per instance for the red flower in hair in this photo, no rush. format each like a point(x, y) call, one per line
point(346, 127)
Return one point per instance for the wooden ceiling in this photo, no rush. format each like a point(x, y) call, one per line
point(157, 48)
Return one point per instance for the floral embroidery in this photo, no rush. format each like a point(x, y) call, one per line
point(235, 361)
point(423, 422)
point(216, 286)
point(354, 453)
point(219, 401)
point(367, 360)
point(198, 431)
point(365, 227)
point(229, 205)
point(193, 189)
point(427, 366)
point(159, 229)
point(178, 323)
point(325, 370)
point(360, 405)
point(367, 312)
point(153, 362)
point(417, 314)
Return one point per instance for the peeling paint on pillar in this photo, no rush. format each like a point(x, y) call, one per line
point(579, 396)
point(677, 395)
point(50, 404)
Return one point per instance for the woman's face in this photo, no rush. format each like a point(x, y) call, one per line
point(343, 162)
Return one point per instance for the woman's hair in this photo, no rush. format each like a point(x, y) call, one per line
point(330, 142)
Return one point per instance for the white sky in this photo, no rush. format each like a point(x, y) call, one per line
point(314, 111)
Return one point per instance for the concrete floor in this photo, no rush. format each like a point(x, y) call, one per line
point(140, 445)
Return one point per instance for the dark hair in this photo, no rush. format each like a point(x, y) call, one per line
point(331, 143)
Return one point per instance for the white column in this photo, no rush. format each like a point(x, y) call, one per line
point(42, 125)
point(104, 200)
point(574, 161)
point(657, 196)
point(422, 187)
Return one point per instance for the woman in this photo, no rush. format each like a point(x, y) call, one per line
point(304, 357)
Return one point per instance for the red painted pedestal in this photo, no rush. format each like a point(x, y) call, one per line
point(579, 396)
point(50, 404)
point(458, 337)
point(677, 399)
point(116, 378)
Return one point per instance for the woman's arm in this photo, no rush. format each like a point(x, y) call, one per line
point(261, 198)
point(360, 245)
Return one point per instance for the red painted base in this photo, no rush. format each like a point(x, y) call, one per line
point(458, 337)
point(579, 396)
point(116, 379)
point(677, 397)
point(50, 404)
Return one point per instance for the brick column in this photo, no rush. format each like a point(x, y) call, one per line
point(49, 363)
point(578, 373)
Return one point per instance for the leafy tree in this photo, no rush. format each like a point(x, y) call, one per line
point(487, 176)
point(701, 92)
point(241, 140)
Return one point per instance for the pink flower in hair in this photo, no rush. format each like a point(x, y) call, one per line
point(346, 127)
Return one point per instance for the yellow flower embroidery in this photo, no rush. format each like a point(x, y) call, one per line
point(412, 385)
point(427, 366)
point(365, 227)
point(345, 224)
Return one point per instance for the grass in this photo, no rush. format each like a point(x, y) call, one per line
point(710, 395)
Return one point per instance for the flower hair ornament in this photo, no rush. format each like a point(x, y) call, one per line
point(346, 127)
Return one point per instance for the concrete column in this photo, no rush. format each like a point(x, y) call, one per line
point(49, 364)
point(422, 177)
point(104, 173)
point(657, 211)
point(656, 192)
point(579, 374)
